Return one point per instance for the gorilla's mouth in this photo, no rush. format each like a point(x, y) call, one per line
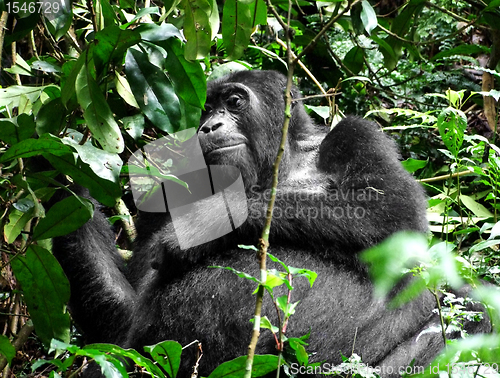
point(225, 149)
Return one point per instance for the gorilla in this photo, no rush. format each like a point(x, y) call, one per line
point(339, 193)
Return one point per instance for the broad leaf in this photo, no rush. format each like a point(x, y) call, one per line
point(153, 92)
point(33, 147)
point(168, 355)
point(368, 17)
point(17, 221)
point(452, 124)
point(111, 44)
point(103, 190)
point(262, 364)
point(65, 216)
point(197, 28)
point(14, 130)
point(97, 113)
point(188, 77)
point(46, 292)
point(236, 27)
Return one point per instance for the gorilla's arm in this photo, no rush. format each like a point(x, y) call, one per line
point(360, 195)
point(101, 297)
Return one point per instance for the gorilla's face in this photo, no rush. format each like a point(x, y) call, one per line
point(223, 136)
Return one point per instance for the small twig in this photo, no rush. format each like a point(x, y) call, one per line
point(445, 177)
point(306, 98)
point(92, 15)
point(441, 320)
point(303, 66)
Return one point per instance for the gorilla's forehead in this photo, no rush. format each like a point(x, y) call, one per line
point(221, 89)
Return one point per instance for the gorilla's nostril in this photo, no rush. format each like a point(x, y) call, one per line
point(216, 126)
point(210, 127)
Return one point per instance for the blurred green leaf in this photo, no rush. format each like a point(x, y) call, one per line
point(7, 349)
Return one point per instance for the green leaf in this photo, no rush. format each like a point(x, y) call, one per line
point(452, 124)
point(368, 17)
point(7, 349)
point(273, 280)
point(110, 366)
point(214, 19)
point(111, 43)
point(266, 324)
point(401, 25)
point(46, 292)
point(97, 113)
point(389, 259)
point(168, 356)
point(390, 59)
point(21, 67)
point(258, 10)
point(105, 191)
point(489, 296)
point(116, 355)
point(23, 28)
point(354, 59)
point(322, 111)
point(478, 209)
point(236, 27)
point(51, 118)
point(262, 364)
point(141, 13)
point(32, 147)
point(68, 88)
point(301, 272)
point(483, 348)
point(65, 216)
point(197, 29)
point(104, 164)
point(466, 50)
point(153, 92)
point(188, 77)
point(492, 5)
point(134, 125)
point(300, 351)
point(238, 273)
point(11, 96)
point(154, 33)
point(17, 129)
point(58, 17)
point(483, 245)
point(45, 66)
point(17, 221)
point(413, 165)
point(124, 90)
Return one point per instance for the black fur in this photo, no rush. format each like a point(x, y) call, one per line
point(346, 190)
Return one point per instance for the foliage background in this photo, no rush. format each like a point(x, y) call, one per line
point(87, 83)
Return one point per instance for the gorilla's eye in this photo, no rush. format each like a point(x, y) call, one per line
point(208, 109)
point(235, 101)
